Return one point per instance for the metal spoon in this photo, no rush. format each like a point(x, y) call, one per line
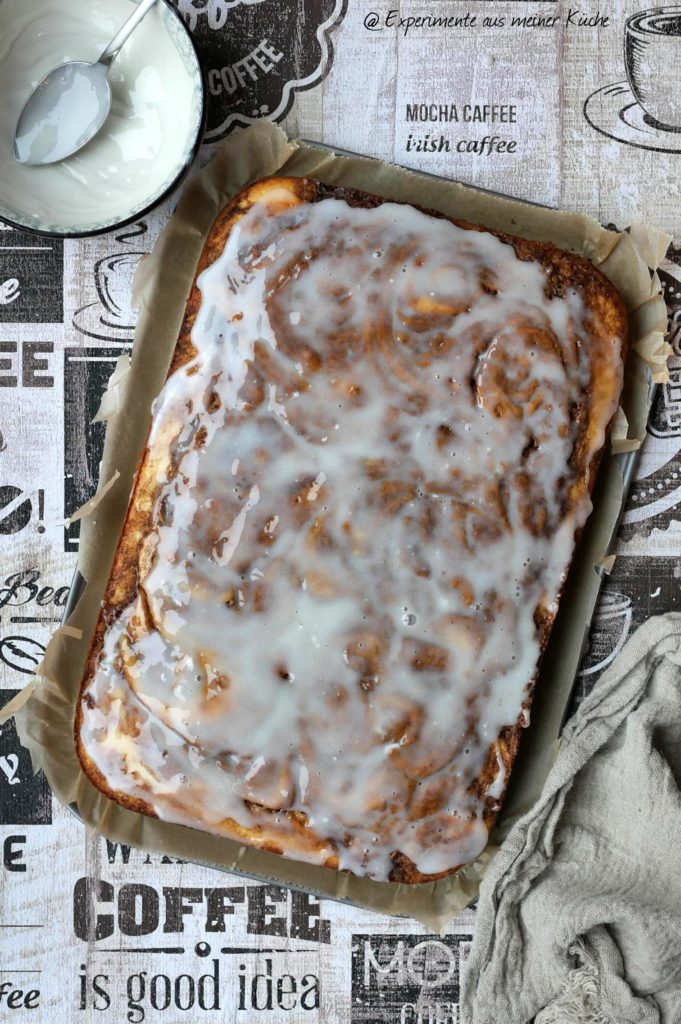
point(69, 106)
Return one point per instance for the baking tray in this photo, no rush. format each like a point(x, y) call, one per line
point(435, 903)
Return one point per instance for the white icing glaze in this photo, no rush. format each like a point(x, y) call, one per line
point(363, 481)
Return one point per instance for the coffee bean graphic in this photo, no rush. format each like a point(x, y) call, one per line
point(15, 513)
point(21, 653)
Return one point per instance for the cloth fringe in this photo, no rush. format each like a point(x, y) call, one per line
point(579, 998)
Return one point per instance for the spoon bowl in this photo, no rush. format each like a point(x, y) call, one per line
point(71, 103)
point(147, 143)
point(63, 112)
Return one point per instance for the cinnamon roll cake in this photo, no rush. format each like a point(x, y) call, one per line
point(349, 531)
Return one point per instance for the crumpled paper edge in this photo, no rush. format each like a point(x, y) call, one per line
point(111, 399)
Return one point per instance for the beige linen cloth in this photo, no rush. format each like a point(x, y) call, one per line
point(579, 917)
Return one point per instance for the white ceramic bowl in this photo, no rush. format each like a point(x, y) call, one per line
point(149, 139)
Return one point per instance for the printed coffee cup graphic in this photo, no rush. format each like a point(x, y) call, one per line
point(258, 53)
point(644, 111)
point(609, 631)
point(111, 318)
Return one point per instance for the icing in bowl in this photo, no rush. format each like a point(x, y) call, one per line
point(146, 144)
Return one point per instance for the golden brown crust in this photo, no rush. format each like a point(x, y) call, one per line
point(605, 316)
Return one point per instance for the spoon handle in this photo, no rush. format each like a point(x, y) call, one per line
point(142, 9)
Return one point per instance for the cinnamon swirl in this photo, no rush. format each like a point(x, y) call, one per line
point(349, 531)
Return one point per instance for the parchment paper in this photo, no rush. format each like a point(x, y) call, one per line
point(45, 721)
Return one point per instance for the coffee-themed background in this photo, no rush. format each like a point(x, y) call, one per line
point(551, 102)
